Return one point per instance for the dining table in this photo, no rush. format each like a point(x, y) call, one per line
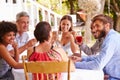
point(78, 74)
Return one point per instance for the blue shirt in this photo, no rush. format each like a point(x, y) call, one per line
point(108, 59)
point(21, 40)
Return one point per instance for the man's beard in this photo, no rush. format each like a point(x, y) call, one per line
point(102, 33)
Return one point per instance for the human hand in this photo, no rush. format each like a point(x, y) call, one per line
point(73, 33)
point(31, 43)
point(75, 58)
point(70, 36)
point(14, 45)
point(77, 54)
point(15, 52)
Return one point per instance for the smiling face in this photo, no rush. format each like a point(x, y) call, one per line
point(98, 29)
point(8, 38)
point(65, 25)
point(22, 24)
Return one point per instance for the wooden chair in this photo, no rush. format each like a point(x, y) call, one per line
point(47, 67)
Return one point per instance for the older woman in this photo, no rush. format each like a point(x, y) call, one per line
point(43, 51)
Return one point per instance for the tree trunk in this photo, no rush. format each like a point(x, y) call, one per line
point(71, 7)
point(102, 6)
point(118, 22)
point(87, 35)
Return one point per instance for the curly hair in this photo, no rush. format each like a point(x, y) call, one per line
point(6, 27)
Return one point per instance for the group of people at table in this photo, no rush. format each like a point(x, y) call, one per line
point(14, 40)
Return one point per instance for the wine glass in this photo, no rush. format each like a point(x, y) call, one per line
point(57, 38)
point(79, 37)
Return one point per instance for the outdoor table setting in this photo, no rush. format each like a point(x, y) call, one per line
point(79, 74)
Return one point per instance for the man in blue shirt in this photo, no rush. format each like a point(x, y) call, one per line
point(109, 58)
point(22, 37)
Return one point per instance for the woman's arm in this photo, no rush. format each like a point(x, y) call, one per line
point(16, 52)
point(30, 43)
point(4, 54)
point(29, 52)
point(73, 45)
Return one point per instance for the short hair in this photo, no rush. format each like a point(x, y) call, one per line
point(21, 14)
point(68, 18)
point(42, 31)
point(103, 18)
point(6, 27)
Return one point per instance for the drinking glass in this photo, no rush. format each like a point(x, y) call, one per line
point(57, 38)
point(79, 37)
point(79, 40)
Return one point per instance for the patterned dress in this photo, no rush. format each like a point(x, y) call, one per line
point(52, 55)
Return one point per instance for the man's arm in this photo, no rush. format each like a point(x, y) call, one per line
point(30, 43)
point(91, 50)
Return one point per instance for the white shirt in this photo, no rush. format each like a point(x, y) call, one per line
point(67, 49)
point(21, 40)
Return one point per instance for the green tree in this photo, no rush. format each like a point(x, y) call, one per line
point(54, 5)
point(72, 5)
point(112, 8)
